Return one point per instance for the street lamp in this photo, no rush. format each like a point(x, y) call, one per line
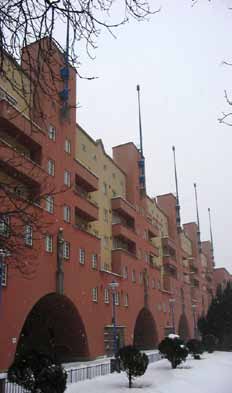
point(113, 286)
point(172, 302)
point(194, 320)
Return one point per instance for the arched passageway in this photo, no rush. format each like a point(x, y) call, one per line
point(145, 333)
point(54, 326)
point(183, 329)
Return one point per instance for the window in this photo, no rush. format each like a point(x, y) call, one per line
point(49, 204)
point(125, 272)
point(67, 146)
point(105, 215)
point(104, 167)
point(51, 133)
point(67, 213)
point(5, 225)
point(94, 295)
point(94, 261)
point(153, 283)
point(164, 307)
point(116, 299)
point(105, 242)
point(141, 277)
point(126, 300)
point(51, 167)
point(114, 193)
point(106, 295)
point(83, 147)
point(146, 257)
point(67, 178)
point(105, 188)
point(82, 256)
point(66, 250)
point(4, 275)
point(48, 243)
point(28, 235)
point(133, 276)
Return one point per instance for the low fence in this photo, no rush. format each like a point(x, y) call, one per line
point(74, 374)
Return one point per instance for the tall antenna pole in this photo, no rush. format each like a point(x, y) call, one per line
point(178, 221)
point(198, 221)
point(211, 235)
point(64, 72)
point(140, 122)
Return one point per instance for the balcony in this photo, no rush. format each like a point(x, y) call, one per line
point(16, 123)
point(170, 270)
point(124, 232)
point(193, 266)
point(153, 262)
point(85, 179)
point(169, 260)
point(153, 230)
point(123, 207)
point(121, 257)
point(15, 161)
point(85, 209)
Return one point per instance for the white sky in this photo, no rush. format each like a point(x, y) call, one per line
point(176, 58)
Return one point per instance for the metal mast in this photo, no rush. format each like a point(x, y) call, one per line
point(178, 220)
point(198, 221)
point(142, 180)
point(211, 235)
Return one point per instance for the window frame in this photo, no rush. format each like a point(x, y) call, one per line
point(94, 261)
point(28, 235)
point(5, 224)
point(4, 275)
point(51, 167)
point(49, 243)
point(67, 146)
point(52, 133)
point(95, 294)
point(82, 256)
point(67, 213)
point(66, 247)
point(49, 204)
point(67, 178)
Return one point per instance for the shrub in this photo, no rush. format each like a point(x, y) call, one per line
point(173, 349)
point(194, 347)
point(133, 362)
point(209, 342)
point(36, 371)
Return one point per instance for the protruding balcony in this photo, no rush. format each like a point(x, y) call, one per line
point(85, 209)
point(15, 160)
point(170, 270)
point(193, 266)
point(85, 179)
point(121, 257)
point(124, 232)
point(123, 207)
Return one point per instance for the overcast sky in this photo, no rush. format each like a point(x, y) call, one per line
point(176, 58)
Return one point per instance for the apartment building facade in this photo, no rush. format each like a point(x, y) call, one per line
point(97, 226)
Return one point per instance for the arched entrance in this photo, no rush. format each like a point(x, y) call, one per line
point(183, 329)
point(145, 333)
point(54, 326)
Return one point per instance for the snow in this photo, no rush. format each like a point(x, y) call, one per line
point(211, 374)
point(173, 336)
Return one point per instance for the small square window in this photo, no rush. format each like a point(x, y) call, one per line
point(94, 261)
point(82, 256)
point(67, 178)
point(51, 132)
point(67, 146)
point(66, 250)
point(51, 167)
point(106, 296)
point(28, 235)
point(83, 147)
point(49, 207)
point(4, 275)
point(125, 272)
point(94, 295)
point(67, 213)
point(48, 243)
point(5, 225)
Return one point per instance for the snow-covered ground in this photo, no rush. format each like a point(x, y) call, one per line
point(211, 374)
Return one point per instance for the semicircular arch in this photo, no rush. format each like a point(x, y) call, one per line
point(145, 331)
point(54, 326)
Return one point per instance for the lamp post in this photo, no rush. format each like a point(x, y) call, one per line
point(113, 286)
point(194, 320)
point(172, 302)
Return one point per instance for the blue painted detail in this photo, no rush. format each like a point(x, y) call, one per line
point(141, 163)
point(64, 94)
point(64, 73)
point(142, 179)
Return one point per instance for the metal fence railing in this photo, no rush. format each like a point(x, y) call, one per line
point(74, 374)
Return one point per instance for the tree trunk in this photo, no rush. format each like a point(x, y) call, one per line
point(130, 380)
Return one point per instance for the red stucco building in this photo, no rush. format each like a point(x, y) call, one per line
point(56, 295)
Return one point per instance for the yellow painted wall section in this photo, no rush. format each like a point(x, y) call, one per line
point(15, 85)
point(112, 182)
point(186, 243)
